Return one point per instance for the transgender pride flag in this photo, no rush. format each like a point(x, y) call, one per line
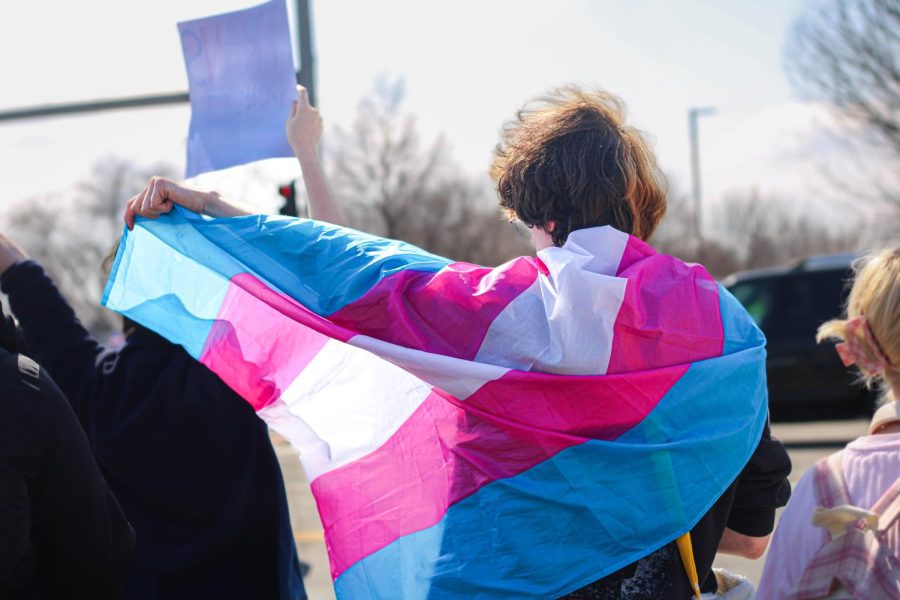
point(468, 432)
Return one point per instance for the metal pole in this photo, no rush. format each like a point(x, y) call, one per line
point(49, 110)
point(306, 75)
point(695, 170)
point(55, 110)
point(693, 115)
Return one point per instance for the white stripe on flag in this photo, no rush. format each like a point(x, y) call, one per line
point(346, 403)
point(458, 377)
point(563, 323)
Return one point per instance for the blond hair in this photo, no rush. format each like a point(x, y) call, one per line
point(876, 296)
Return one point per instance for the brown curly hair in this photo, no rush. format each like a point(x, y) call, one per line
point(570, 159)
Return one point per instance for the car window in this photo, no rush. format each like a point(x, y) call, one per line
point(829, 291)
point(758, 297)
point(806, 300)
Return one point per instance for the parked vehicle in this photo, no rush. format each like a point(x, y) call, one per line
point(789, 303)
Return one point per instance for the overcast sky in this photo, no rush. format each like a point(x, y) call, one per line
point(467, 64)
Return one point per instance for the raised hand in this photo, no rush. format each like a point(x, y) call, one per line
point(304, 125)
point(304, 132)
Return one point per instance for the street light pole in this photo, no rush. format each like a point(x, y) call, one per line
point(693, 115)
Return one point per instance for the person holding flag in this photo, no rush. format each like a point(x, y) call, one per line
point(209, 511)
point(545, 428)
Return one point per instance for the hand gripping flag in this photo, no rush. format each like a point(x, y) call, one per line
point(468, 432)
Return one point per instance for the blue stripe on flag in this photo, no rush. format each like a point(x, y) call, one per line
point(738, 328)
point(172, 294)
point(187, 260)
point(583, 514)
point(285, 252)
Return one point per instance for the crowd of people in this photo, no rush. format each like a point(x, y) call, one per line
point(139, 474)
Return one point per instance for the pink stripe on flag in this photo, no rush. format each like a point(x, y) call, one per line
point(447, 450)
point(635, 250)
point(261, 340)
point(670, 314)
point(448, 312)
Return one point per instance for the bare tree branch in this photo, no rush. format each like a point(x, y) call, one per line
point(70, 244)
point(846, 55)
point(749, 231)
point(401, 188)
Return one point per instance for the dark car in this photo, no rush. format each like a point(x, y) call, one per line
point(806, 379)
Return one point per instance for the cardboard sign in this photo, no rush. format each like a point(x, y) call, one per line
point(241, 78)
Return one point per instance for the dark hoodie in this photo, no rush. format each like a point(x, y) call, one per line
point(189, 461)
point(62, 533)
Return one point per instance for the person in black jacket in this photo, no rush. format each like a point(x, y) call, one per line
point(62, 533)
point(189, 461)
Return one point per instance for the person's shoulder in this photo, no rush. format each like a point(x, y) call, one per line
point(867, 444)
point(27, 397)
point(795, 526)
point(17, 371)
point(799, 509)
point(805, 486)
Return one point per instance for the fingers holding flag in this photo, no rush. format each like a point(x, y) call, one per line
point(151, 202)
point(162, 194)
point(304, 131)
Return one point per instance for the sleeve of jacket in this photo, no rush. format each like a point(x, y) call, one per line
point(762, 487)
point(53, 334)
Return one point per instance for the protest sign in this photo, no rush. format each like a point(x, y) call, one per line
point(241, 77)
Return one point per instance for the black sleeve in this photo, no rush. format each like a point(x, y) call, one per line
point(83, 540)
point(54, 336)
point(16, 551)
point(761, 488)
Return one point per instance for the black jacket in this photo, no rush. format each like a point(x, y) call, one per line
point(62, 533)
point(189, 461)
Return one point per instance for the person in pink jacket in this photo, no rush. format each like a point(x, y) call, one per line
point(839, 536)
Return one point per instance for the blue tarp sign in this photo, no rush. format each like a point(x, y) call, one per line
point(241, 76)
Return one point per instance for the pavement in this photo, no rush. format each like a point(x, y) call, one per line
point(806, 443)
